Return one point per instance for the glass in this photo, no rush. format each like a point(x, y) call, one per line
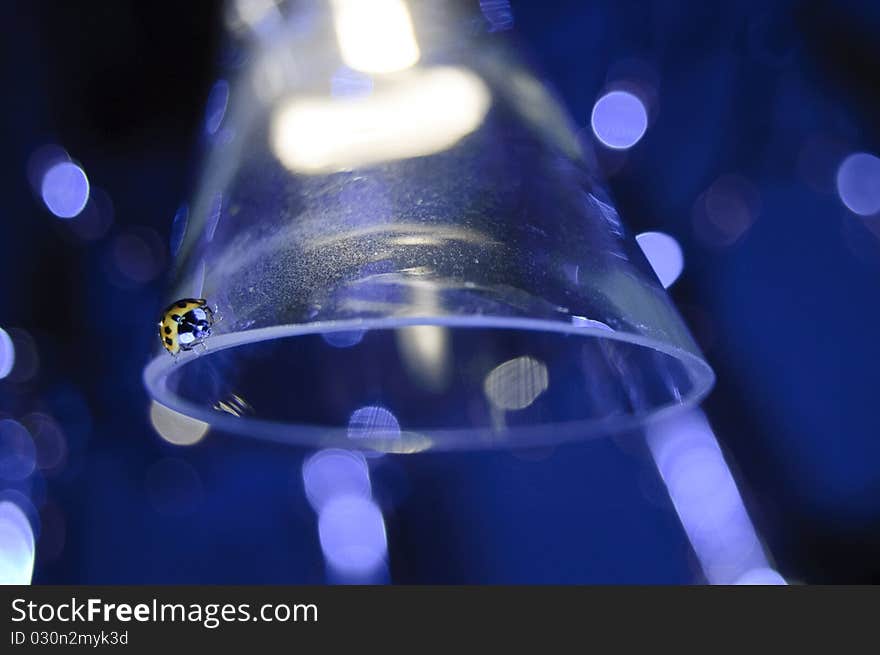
point(409, 248)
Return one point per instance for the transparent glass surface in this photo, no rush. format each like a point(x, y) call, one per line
point(414, 258)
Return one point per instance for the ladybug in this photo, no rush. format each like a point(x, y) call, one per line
point(186, 324)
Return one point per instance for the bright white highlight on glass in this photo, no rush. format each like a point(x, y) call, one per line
point(516, 383)
point(260, 15)
point(428, 112)
point(18, 455)
point(619, 120)
point(16, 545)
point(65, 189)
point(425, 353)
point(705, 497)
point(7, 354)
point(334, 472)
point(664, 254)
point(858, 183)
point(583, 321)
point(175, 427)
point(376, 36)
point(352, 534)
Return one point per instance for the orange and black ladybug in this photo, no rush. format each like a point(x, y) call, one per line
point(186, 324)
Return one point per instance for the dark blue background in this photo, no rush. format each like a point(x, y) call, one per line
point(788, 314)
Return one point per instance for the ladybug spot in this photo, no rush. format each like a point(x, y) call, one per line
point(167, 330)
point(168, 341)
point(181, 304)
point(175, 317)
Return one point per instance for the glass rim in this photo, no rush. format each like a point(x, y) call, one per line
point(158, 369)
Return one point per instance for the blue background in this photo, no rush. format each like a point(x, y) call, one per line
point(776, 93)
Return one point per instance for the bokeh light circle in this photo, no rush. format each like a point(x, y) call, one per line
point(619, 120)
point(516, 383)
point(334, 472)
point(135, 257)
point(373, 422)
point(725, 212)
point(18, 455)
point(65, 189)
point(16, 545)
point(664, 254)
point(174, 487)
point(176, 428)
point(352, 535)
point(7, 354)
point(343, 338)
point(50, 444)
point(25, 504)
point(858, 183)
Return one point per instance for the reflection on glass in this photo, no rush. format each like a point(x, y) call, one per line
point(234, 405)
point(376, 36)
point(428, 112)
point(425, 352)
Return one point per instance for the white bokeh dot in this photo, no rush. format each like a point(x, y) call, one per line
point(664, 254)
point(858, 183)
point(65, 189)
point(619, 120)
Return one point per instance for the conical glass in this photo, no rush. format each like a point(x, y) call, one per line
point(409, 248)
